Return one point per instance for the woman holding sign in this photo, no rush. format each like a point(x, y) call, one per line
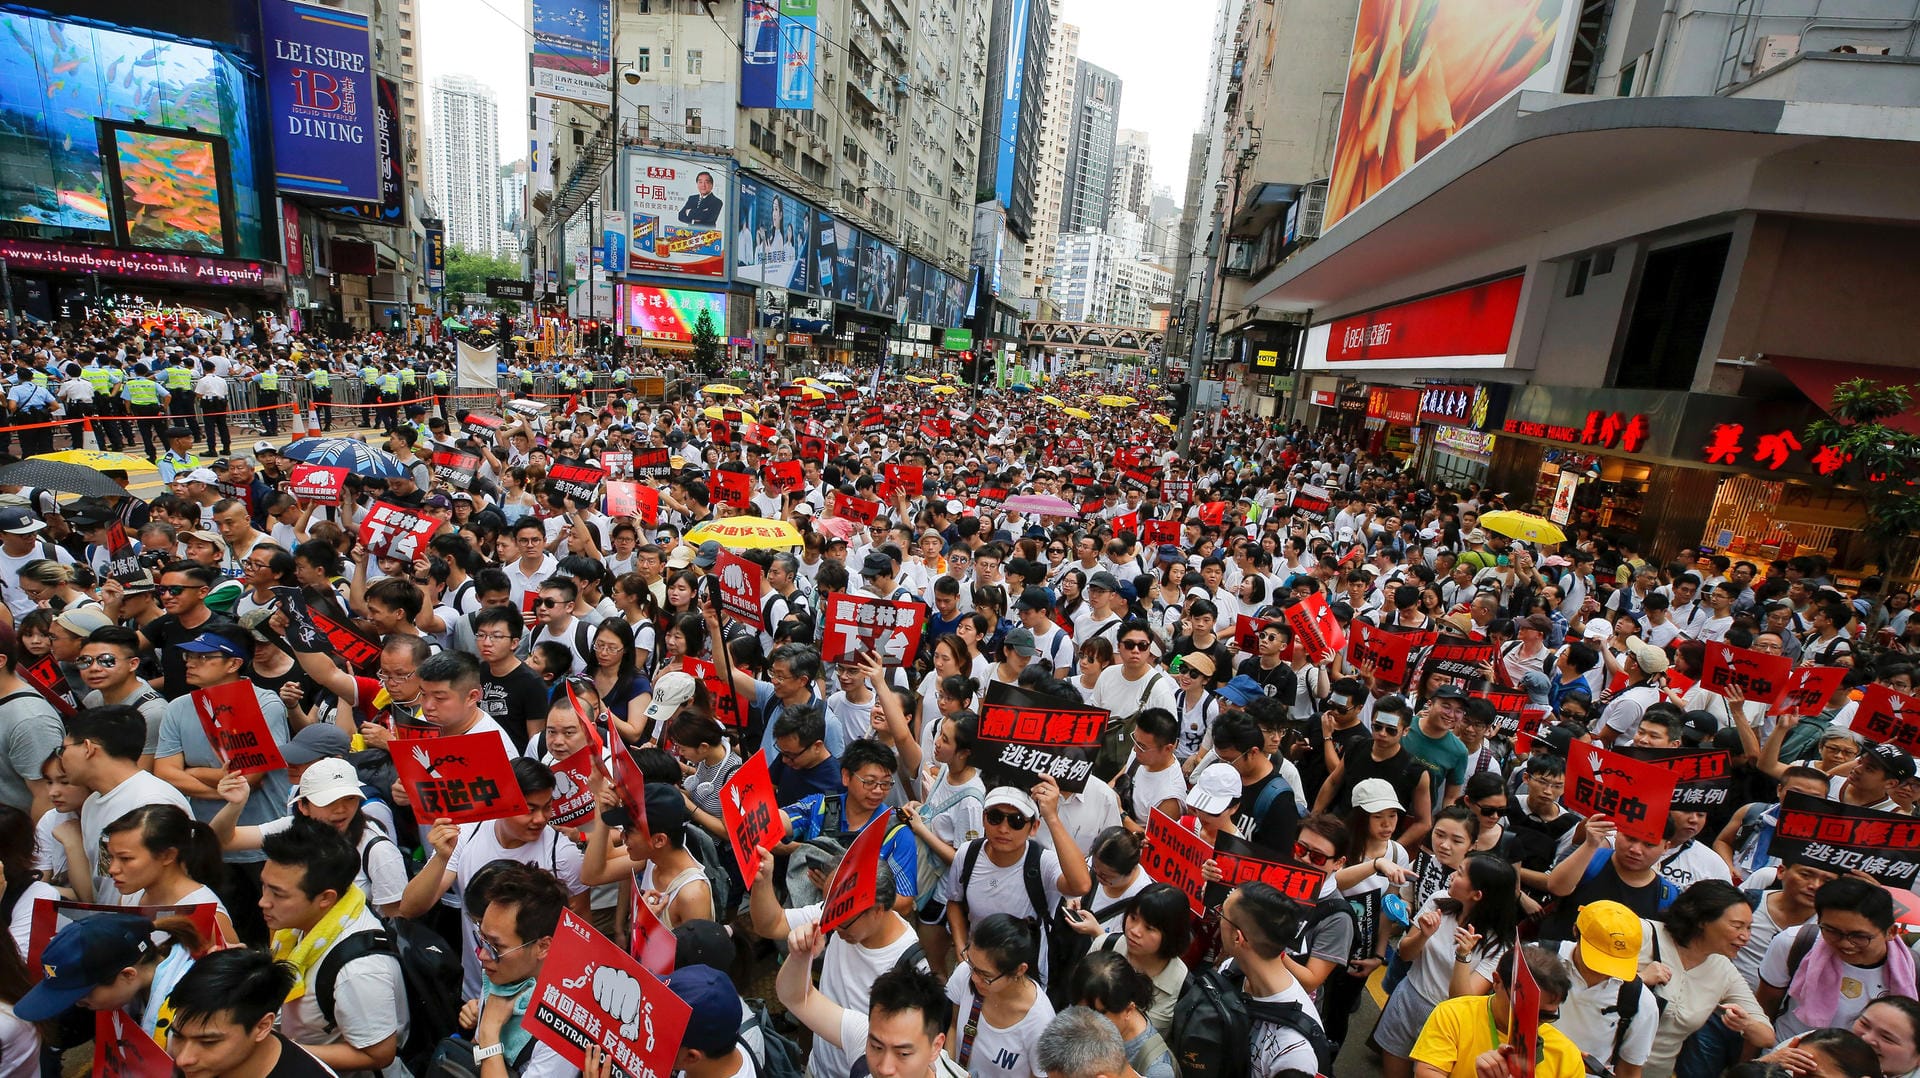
point(160, 856)
point(1454, 946)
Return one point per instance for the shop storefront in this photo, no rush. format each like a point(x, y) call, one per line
point(1456, 424)
point(1392, 413)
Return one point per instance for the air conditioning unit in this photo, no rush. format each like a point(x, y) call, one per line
point(1313, 209)
point(1772, 50)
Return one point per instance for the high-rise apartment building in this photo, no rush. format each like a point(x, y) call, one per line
point(465, 147)
point(1090, 145)
point(1132, 174)
point(407, 66)
point(1050, 178)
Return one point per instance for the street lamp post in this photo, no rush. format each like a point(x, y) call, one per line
point(629, 75)
point(1202, 347)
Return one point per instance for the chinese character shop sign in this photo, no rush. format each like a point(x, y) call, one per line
point(1466, 327)
point(1608, 430)
point(1727, 442)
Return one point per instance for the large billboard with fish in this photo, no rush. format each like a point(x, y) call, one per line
point(677, 215)
point(572, 50)
point(62, 78)
point(326, 137)
point(167, 189)
point(1421, 71)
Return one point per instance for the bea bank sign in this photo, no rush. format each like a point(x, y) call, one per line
point(1465, 328)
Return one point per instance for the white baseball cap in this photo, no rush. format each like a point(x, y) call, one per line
point(326, 781)
point(1217, 787)
point(670, 693)
point(1014, 798)
point(1376, 795)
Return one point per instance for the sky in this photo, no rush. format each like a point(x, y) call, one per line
point(1161, 61)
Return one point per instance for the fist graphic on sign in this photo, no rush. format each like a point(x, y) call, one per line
point(563, 787)
point(733, 578)
point(618, 994)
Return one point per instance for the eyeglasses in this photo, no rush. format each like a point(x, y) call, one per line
point(1306, 853)
point(1490, 811)
point(1850, 939)
point(985, 977)
point(492, 637)
point(790, 757)
point(544, 603)
point(884, 783)
point(173, 590)
point(104, 662)
point(997, 818)
point(607, 645)
point(483, 948)
point(390, 678)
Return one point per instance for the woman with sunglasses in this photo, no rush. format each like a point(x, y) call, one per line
point(1453, 948)
point(999, 1009)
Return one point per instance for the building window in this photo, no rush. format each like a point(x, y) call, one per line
point(666, 58)
point(1627, 74)
point(693, 121)
point(643, 61)
point(695, 60)
point(1671, 309)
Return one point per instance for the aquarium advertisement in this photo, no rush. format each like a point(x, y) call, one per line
point(392, 209)
point(670, 314)
point(167, 189)
point(326, 131)
point(573, 50)
point(775, 236)
point(677, 219)
point(64, 78)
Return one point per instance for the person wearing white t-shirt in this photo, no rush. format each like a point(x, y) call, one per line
point(1134, 684)
point(1152, 777)
point(1000, 1010)
point(904, 1029)
point(989, 876)
point(1855, 956)
point(1257, 924)
point(101, 754)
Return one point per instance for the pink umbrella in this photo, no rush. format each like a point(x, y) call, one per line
point(837, 527)
point(1045, 505)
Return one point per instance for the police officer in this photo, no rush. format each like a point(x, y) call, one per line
point(369, 384)
point(179, 459)
point(178, 376)
point(441, 385)
point(31, 401)
point(144, 398)
point(101, 379)
point(267, 383)
point(390, 399)
point(320, 382)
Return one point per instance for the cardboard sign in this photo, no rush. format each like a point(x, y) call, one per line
point(851, 892)
point(311, 632)
point(1636, 796)
point(48, 681)
point(653, 463)
point(1808, 689)
point(317, 484)
point(858, 510)
point(752, 813)
point(464, 779)
point(1509, 706)
point(1160, 533)
point(739, 584)
point(455, 469)
point(1312, 502)
point(1174, 855)
point(1240, 861)
point(907, 479)
point(1841, 838)
point(390, 531)
point(619, 464)
point(50, 915)
point(1523, 1021)
point(123, 560)
point(573, 788)
point(484, 427)
point(121, 1049)
point(1888, 715)
point(1386, 652)
point(1019, 746)
point(1702, 777)
point(230, 717)
point(1315, 628)
point(1459, 660)
point(728, 487)
point(590, 992)
point(1760, 676)
point(575, 481)
point(856, 622)
point(781, 476)
point(650, 942)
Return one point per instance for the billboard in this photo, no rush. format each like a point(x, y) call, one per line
point(776, 53)
point(392, 208)
point(1421, 72)
point(670, 314)
point(1464, 327)
point(774, 239)
point(1015, 80)
point(167, 189)
point(573, 50)
point(435, 252)
point(320, 84)
point(677, 217)
point(159, 267)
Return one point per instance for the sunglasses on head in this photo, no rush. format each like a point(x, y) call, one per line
point(1003, 818)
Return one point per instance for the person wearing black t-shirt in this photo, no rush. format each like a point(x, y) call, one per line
point(1385, 759)
point(1608, 866)
point(1269, 815)
point(1538, 821)
point(511, 693)
point(182, 593)
point(1270, 667)
point(1337, 733)
point(223, 1015)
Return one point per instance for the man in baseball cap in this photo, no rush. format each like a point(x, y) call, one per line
point(82, 963)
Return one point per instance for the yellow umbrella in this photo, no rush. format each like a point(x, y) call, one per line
point(950, 377)
point(714, 411)
point(919, 381)
point(1055, 401)
point(812, 393)
point(100, 460)
point(1163, 420)
point(747, 533)
point(1526, 526)
point(1078, 413)
point(721, 389)
point(519, 339)
point(1111, 401)
point(945, 391)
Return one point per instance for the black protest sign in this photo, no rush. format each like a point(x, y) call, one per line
point(1312, 502)
point(456, 470)
point(1459, 660)
point(1240, 861)
point(314, 633)
point(1020, 745)
point(1841, 838)
point(576, 481)
point(123, 561)
point(653, 462)
point(1507, 706)
point(486, 428)
point(1702, 778)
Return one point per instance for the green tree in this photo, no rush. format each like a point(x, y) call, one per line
point(467, 271)
point(706, 344)
point(1879, 460)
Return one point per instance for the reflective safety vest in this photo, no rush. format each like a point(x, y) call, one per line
point(270, 381)
point(440, 378)
point(182, 462)
point(320, 380)
point(369, 374)
point(39, 378)
point(179, 378)
point(99, 378)
point(389, 383)
point(406, 376)
point(143, 391)
point(526, 377)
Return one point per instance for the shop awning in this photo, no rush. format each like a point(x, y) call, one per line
point(1817, 377)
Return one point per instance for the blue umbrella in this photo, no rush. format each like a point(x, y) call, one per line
point(357, 457)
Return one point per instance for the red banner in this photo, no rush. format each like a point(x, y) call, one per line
point(1808, 689)
point(858, 510)
point(573, 788)
point(781, 476)
point(851, 892)
point(464, 779)
point(51, 915)
point(121, 1049)
point(739, 581)
point(1890, 716)
point(231, 718)
point(1386, 652)
point(390, 531)
point(649, 941)
point(859, 623)
point(752, 813)
point(1636, 796)
point(1174, 855)
point(1315, 628)
point(1160, 532)
point(1240, 861)
point(1760, 676)
point(317, 483)
point(731, 488)
point(591, 992)
point(907, 479)
point(48, 681)
point(812, 448)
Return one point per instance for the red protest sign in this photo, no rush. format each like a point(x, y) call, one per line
point(1760, 676)
point(46, 678)
point(1508, 705)
point(1385, 652)
point(50, 915)
point(1808, 689)
point(859, 623)
point(572, 789)
point(314, 633)
point(1240, 861)
point(650, 942)
point(720, 433)
point(1890, 716)
point(623, 498)
point(464, 779)
point(1315, 628)
point(1312, 502)
point(121, 1049)
point(390, 531)
point(1523, 1022)
point(1126, 522)
point(851, 892)
point(731, 488)
point(907, 479)
point(1246, 633)
point(1160, 532)
point(781, 476)
point(858, 510)
point(591, 992)
point(739, 581)
point(317, 483)
point(1173, 855)
point(231, 718)
point(752, 813)
point(812, 448)
point(1636, 796)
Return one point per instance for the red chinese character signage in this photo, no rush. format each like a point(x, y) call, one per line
point(389, 531)
point(1315, 628)
point(230, 717)
point(591, 992)
point(1608, 430)
point(1636, 796)
point(732, 488)
point(1018, 746)
point(1385, 652)
point(464, 779)
point(857, 623)
point(752, 813)
point(1842, 839)
point(739, 581)
point(1890, 716)
point(1760, 676)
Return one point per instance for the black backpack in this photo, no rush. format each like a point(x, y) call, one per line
point(1116, 739)
point(779, 1055)
point(430, 972)
point(1213, 1024)
point(1036, 896)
